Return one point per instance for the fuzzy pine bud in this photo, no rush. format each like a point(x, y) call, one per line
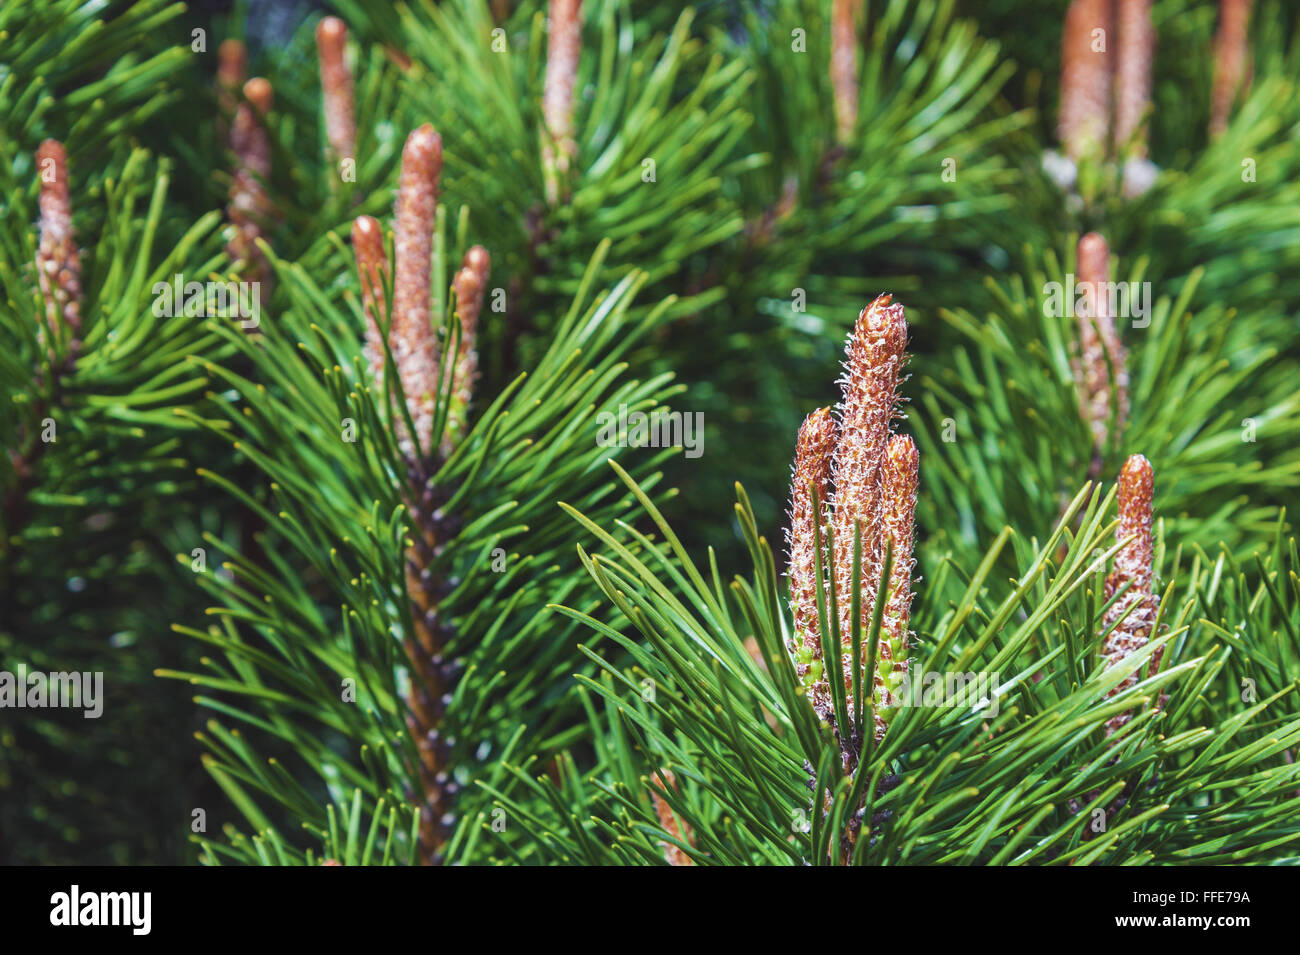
point(249, 210)
point(232, 70)
point(1231, 62)
point(844, 66)
point(564, 29)
point(1136, 52)
point(870, 402)
point(469, 285)
point(1134, 614)
point(58, 260)
point(1084, 118)
point(336, 88)
point(411, 336)
point(812, 472)
point(1102, 368)
point(372, 267)
point(674, 854)
point(898, 513)
point(869, 480)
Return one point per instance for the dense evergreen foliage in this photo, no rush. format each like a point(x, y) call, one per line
point(401, 404)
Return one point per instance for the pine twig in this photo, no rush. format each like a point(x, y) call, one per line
point(415, 351)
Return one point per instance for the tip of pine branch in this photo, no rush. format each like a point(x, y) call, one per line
point(883, 319)
point(367, 233)
point(331, 33)
point(232, 62)
point(258, 92)
point(1093, 255)
point(422, 157)
point(51, 155)
point(478, 259)
point(1137, 480)
point(904, 458)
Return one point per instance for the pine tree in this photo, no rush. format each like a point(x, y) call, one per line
point(349, 347)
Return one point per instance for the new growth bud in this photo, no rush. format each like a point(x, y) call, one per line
point(58, 260)
point(1136, 52)
point(870, 480)
point(674, 854)
point(372, 267)
point(898, 489)
point(1084, 120)
point(411, 336)
point(1231, 62)
point(249, 210)
point(232, 70)
point(1134, 614)
point(469, 286)
point(564, 28)
point(336, 88)
point(1101, 370)
point(844, 66)
point(812, 474)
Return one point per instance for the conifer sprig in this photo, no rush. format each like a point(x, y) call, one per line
point(1088, 675)
point(435, 568)
point(91, 473)
point(1224, 450)
point(757, 783)
point(642, 163)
